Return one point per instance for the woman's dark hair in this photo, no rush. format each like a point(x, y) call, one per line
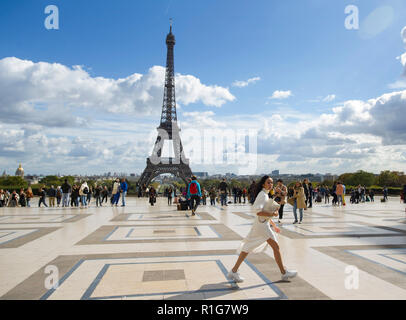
point(259, 186)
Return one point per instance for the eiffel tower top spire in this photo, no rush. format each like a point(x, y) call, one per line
point(168, 115)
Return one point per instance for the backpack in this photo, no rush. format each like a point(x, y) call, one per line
point(193, 188)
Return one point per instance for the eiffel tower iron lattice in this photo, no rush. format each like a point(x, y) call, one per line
point(167, 130)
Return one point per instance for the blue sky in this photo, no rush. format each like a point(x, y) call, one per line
point(297, 46)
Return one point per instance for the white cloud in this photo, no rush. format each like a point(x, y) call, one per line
point(201, 120)
point(32, 90)
point(279, 94)
point(399, 84)
point(329, 98)
point(242, 84)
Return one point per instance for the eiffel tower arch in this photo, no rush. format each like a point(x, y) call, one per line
point(168, 130)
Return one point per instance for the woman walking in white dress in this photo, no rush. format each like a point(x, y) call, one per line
point(261, 234)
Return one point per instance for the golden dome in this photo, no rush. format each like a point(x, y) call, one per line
point(20, 171)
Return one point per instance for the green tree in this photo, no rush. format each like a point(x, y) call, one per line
point(14, 182)
point(50, 180)
point(358, 178)
point(391, 179)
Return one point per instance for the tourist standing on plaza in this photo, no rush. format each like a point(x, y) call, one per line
point(2, 198)
point(335, 200)
point(298, 201)
point(83, 191)
point(51, 196)
point(169, 195)
point(326, 195)
point(97, 195)
point(66, 190)
point(385, 194)
point(104, 194)
point(194, 194)
point(339, 192)
point(251, 192)
point(262, 233)
point(22, 199)
point(89, 195)
point(371, 195)
point(204, 196)
point(42, 195)
point(13, 200)
point(280, 197)
point(29, 195)
point(244, 194)
point(123, 191)
point(213, 195)
point(116, 192)
point(152, 195)
point(58, 195)
point(223, 192)
point(75, 196)
point(305, 185)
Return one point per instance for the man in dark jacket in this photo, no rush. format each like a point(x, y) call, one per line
point(66, 190)
point(42, 195)
point(251, 192)
point(223, 192)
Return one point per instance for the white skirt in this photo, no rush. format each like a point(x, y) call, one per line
point(256, 240)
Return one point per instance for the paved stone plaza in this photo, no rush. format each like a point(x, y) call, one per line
point(144, 252)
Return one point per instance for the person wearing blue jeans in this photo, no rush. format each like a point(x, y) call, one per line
point(298, 201)
point(124, 189)
point(295, 212)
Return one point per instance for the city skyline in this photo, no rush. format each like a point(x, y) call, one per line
point(87, 97)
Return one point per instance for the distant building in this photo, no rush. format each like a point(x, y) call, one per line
point(201, 174)
point(20, 171)
point(275, 173)
point(330, 177)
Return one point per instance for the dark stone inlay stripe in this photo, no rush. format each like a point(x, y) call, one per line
point(163, 275)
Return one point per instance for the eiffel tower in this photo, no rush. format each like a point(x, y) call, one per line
point(167, 130)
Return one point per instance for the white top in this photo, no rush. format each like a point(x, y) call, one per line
point(260, 201)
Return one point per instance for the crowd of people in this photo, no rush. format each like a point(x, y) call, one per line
point(66, 195)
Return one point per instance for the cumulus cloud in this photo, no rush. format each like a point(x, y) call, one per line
point(354, 131)
point(242, 84)
point(280, 94)
point(32, 90)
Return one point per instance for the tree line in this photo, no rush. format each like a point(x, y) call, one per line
point(393, 180)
